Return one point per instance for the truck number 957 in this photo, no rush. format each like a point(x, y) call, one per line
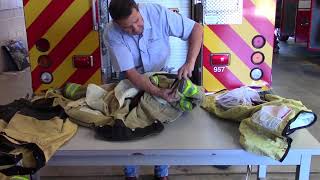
point(218, 69)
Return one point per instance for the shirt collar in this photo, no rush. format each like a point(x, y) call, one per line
point(145, 17)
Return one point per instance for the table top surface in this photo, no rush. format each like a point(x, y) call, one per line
point(194, 131)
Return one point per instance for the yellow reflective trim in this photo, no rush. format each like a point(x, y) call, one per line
point(266, 8)
point(237, 67)
point(190, 89)
point(60, 28)
point(72, 88)
point(95, 78)
point(87, 46)
point(19, 178)
point(210, 83)
point(247, 32)
point(76, 87)
point(33, 9)
point(68, 89)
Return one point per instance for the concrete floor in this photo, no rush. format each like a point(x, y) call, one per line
point(296, 74)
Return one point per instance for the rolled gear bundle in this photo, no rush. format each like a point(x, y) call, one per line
point(138, 114)
point(120, 112)
point(143, 119)
point(189, 94)
point(149, 110)
point(32, 136)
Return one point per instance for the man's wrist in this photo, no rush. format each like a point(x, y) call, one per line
point(156, 91)
point(190, 63)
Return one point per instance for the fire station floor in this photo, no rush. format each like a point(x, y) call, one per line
point(296, 74)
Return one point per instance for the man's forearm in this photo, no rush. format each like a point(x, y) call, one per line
point(195, 42)
point(142, 82)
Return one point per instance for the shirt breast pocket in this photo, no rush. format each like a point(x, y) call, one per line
point(158, 50)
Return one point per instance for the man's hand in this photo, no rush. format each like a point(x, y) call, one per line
point(169, 95)
point(185, 71)
point(143, 83)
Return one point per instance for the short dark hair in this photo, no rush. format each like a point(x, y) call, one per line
point(120, 9)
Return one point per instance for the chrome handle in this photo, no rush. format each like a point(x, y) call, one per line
point(197, 2)
point(91, 61)
point(94, 16)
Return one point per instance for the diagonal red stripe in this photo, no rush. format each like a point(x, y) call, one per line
point(71, 40)
point(234, 41)
point(82, 75)
point(260, 23)
point(46, 19)
point(227, 78)
point(25, 2)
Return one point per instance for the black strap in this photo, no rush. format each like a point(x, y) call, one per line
point(10, 159)
point(168, 75)
point(18, 170)
point(7, 159)
point(119, 131)
point(135, 100)
point(9, 110)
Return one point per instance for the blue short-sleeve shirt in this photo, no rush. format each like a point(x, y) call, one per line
point(149, 51)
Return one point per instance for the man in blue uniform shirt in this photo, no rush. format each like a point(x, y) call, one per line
point(138, 40)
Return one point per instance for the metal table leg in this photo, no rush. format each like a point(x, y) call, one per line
point(303, 170)
point(262, 172)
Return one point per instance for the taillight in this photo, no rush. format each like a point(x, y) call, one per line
point(82, 61)
point(220, 59)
